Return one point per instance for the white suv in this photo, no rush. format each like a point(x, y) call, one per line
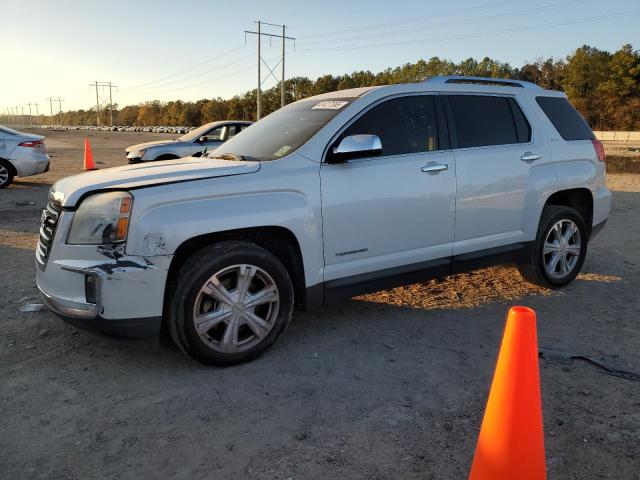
point(332, 196)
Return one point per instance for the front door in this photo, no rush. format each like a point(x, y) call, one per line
point(392, 210)
point(211, 140)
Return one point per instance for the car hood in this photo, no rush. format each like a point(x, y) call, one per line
point(68, 191)
point(146, 145)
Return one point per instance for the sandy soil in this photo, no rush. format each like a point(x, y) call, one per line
point(386, 386)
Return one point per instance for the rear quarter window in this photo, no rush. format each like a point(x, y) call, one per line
point(567, 121)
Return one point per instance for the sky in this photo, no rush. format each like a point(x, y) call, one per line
point(189, 50)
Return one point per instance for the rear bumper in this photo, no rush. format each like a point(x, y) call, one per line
point(596, 229)
point(601, 205)
point(33, 165)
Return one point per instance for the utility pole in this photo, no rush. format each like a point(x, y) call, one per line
point(59, 100)
point(259, 93)
point(283, 55)
point(259, 33)
point(30, 123)
point(51, 109)
point(60, 109)
point(97, 84)
point(97, 103)
point(111, 104)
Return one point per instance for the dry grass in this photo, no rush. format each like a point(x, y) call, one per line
point(465, 290)
point(17, 239)
point(622, 157)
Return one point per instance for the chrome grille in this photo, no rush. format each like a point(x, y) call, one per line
point(50, 217)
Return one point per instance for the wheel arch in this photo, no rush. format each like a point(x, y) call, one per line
point(280, 241)
point(580, 199)
point(166, 156)
point(11, 166)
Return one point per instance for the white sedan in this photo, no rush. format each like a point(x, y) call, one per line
point(21, 155)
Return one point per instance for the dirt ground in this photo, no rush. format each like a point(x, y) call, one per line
point(385, 386)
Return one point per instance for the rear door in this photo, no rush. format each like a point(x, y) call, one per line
point(495, 148)
point(396, 209)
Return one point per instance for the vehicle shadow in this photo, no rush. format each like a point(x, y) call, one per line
point(17, 183)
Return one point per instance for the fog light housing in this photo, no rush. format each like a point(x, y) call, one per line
point(91, 285)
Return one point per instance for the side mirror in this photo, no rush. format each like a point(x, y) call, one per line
point(355, 146)
point(202, 139)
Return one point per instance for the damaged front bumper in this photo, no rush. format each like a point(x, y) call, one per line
point(101, 289)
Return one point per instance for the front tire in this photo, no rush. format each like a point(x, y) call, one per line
point(230, 302)
point(6, 174)
point(559, 250)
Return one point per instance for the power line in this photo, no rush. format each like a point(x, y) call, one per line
point(479, 35)
point(188, 69)
point(231, 74)
point(411, 20)
point(472, 20)
point(238, 60)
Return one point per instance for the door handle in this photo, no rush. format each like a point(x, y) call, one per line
point(435, 167)
point(530, 157)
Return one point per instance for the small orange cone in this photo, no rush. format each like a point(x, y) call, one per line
point(511, 441)
point(88, 156)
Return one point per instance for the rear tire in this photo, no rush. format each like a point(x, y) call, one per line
point(6, 174)
point(230, 302)
point(559, 250)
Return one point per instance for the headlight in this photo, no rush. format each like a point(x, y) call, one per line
point(102, 218)
point(137, 154)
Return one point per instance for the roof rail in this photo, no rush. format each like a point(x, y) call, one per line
point(504, 82)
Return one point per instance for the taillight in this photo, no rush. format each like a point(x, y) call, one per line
point(31, 144)
point(599, 147)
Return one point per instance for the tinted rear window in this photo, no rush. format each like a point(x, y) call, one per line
point(487, 120)
point(568, 122)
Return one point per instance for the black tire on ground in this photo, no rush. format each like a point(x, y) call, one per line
point(533, 268)
point(196, 272)
point(7, 170)
point(166, 157)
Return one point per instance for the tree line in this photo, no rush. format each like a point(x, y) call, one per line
point(603, 86)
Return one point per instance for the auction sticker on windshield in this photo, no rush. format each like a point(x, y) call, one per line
point(329, 105)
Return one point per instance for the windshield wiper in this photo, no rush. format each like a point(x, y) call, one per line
point(230, 156)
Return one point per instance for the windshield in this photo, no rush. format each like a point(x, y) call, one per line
point(283, 131)
point(195, 134)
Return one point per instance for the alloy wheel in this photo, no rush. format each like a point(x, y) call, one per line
point(236, 308)
point(4, 174)
point(561, 249)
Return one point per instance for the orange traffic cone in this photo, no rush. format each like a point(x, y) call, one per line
point(511, 441)
point(88, 156)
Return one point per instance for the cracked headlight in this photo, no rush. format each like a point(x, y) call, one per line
point(102, 218)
